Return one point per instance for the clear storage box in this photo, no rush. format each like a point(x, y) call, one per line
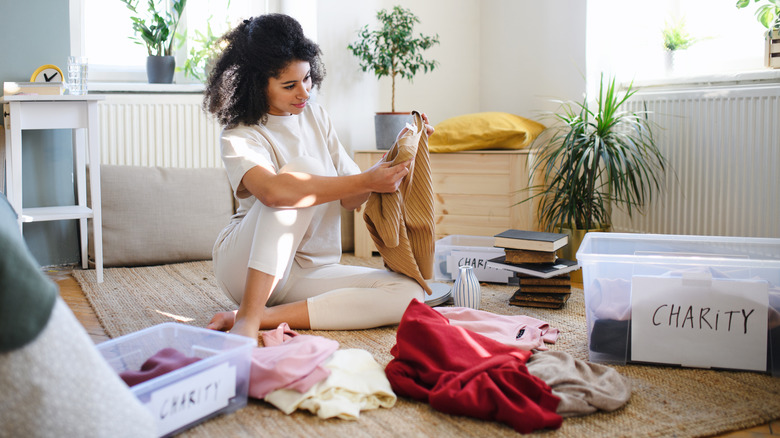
point(455, 250)
point(699, 301)
point(217, 383)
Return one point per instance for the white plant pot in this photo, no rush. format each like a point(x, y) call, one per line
point(669, 64)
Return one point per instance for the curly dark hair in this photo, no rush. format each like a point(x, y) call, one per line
point(258, 49)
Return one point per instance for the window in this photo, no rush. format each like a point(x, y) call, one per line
point(625, 40)
point(114, 57)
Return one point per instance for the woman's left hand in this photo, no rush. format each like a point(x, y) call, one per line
point(428, 127)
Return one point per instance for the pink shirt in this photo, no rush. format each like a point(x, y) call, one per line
point(519, 331)
point(289, 360)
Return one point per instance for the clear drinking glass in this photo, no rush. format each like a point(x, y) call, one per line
point(77, 75)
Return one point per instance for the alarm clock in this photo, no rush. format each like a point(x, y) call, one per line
point(47, 73)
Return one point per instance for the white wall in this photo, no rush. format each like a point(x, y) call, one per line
point(531, 52)
point(352, 96)
point(494, 55)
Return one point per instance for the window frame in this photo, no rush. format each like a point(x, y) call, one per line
point(111, 77)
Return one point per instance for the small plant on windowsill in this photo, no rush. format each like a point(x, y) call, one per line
point(675, 38)
point(156, 30)
point(768, 14)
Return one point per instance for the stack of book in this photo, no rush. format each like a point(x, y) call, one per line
point(550, 293)
point(33, 88)
point(543, 278)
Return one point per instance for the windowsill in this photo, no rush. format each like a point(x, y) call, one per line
point(764, 76)
point(143, 87)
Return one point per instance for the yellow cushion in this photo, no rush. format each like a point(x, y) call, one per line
point(488, 130)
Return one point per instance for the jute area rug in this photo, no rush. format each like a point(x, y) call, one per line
point(666, 401)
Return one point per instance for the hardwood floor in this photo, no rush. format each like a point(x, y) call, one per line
point(71, 293)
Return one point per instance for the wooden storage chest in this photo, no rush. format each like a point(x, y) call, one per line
point(476, 193)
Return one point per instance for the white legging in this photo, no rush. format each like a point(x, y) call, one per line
point(339, 297)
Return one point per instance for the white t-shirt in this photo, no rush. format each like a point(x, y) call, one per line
point(274, 144)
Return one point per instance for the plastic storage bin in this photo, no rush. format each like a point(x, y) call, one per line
point(693, 301)
point(218, 383)
point(475, 249)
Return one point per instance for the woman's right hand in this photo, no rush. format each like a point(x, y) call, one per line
point(384, 178)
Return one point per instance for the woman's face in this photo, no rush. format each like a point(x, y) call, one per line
point(289, 92)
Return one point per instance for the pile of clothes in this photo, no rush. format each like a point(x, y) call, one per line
point(482, 372)
point(459, 360)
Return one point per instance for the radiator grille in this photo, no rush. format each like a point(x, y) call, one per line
point(158, 130)
point(724, 147)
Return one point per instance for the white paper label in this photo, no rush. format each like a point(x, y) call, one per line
point(477, 260)
point(187, 400)
point(699, 321)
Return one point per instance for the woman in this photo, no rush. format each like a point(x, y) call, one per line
point(279, 256)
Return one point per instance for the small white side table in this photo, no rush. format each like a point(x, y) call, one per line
point(79, 113)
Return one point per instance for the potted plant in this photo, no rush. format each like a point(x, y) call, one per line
point(675, 38)
point(157, 34)
point(592, 158)
point(768, 14)
point(393, 50)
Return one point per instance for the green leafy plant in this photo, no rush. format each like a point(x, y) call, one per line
point(158, 33)
point(393, 50)
point(768, 12)
point(676, 37)
point(594, 158)
point(205, 48)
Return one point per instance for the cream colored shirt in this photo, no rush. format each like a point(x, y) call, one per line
point(356, 383)
point(273, 145)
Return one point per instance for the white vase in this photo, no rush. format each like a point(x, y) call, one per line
point(466, 292)
point(669, 62)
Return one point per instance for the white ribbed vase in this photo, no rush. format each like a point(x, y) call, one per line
point(466, 292)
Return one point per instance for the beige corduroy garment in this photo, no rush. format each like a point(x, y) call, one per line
point(401, 223)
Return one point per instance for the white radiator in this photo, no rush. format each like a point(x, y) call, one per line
point(167, 130)
point(723, 144)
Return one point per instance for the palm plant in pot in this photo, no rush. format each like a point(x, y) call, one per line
point(157, 34)
point(393, 50)
point(593, 159)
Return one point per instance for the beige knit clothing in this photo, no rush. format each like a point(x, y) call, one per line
point(401, 223)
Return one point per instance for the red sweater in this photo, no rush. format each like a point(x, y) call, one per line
point(460, 372)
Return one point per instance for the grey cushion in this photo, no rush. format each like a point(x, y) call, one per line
point(157, 215)
point(26, 294)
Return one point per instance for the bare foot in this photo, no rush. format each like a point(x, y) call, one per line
point(241, 327)
point(222, 321)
